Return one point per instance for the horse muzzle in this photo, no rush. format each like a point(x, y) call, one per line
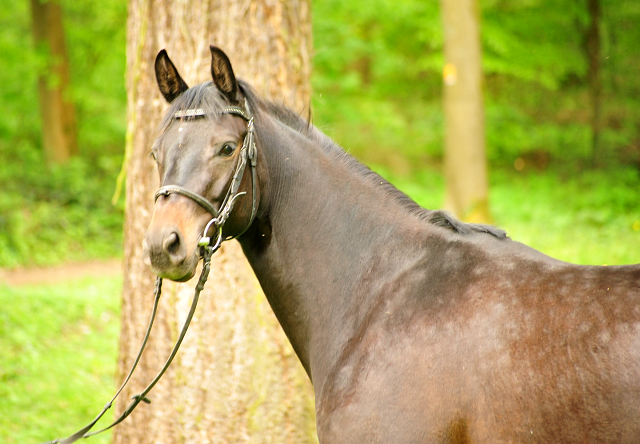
point(166, 251)
point(171, 242)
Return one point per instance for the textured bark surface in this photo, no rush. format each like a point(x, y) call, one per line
point(236, 378)
point(465, 157)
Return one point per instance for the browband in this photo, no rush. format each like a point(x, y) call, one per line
point(198, 112)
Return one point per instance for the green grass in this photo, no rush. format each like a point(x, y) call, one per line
point(58, 348)
point(592, 218)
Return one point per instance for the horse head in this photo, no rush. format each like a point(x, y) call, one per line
point(206, 143)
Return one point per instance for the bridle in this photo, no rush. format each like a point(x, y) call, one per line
point(248, 154)
point(208, 245)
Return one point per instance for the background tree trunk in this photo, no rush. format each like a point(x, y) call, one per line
point(236, 379)
point(465, 162)
point(59, 137)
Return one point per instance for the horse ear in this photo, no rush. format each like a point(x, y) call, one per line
point(170, 83)
point(222, 74)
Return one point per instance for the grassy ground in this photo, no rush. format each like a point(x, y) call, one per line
point(592, 218)
point(58, 343)
point(58, 347)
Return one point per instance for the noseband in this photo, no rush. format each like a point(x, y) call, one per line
point(248, 154)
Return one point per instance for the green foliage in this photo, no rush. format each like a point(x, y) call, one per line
point(60, 212)
point(377, 91)
point(53, 213)
point(96, 42)
point(18, 95)
point(534, 41)
point(588, 219)
point(535, 63)
point(381, 45)
point(376, 77)
point(378, 66)
point(58, 349)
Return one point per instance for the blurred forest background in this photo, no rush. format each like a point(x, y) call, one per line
point(562, 118)
point(377, 90)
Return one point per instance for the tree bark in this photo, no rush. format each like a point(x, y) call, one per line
point(236, 378)
point(59, 137)
point(465, 161)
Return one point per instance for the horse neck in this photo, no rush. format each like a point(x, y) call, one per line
point(316, 249)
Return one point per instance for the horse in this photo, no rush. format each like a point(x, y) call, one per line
point(412, 326)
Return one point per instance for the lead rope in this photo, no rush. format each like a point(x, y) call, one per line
point(142, 396)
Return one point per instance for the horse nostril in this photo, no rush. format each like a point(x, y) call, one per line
point(174, 247)
point(171, 243)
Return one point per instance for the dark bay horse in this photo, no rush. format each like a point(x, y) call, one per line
point(413, 326)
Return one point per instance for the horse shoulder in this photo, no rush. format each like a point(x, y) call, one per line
point(466, 333)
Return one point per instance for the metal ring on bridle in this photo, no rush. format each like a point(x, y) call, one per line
point(205, 241)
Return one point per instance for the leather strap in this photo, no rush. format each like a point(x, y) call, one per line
point(202, 201)
point(142, 396)
point(250, 154)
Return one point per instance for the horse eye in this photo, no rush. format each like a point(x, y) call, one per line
point(153, 156)
point(227, 149)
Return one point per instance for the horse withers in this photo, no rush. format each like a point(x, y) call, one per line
point(413, 326)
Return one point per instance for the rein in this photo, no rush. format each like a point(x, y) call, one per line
point(142, 396)
point(248, 153)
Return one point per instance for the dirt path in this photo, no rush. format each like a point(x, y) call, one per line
point(70, 271)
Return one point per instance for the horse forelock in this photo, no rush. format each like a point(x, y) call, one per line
point(204, 96)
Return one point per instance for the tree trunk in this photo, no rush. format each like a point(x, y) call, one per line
point(59, 137)
point(236, 378)
point(465, 161)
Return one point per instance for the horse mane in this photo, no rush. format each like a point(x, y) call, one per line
point(209, 98)
point(303, 126)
